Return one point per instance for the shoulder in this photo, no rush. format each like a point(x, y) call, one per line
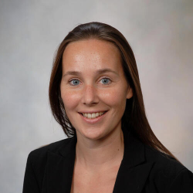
point(162, 162)
point(167, 173)
point(38, 160)
point(40, 154)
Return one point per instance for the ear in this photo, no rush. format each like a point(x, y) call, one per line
point(129, 92)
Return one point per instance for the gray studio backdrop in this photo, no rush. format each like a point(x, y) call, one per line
point(161, 35)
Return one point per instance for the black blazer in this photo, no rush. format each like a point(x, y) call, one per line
point(143, 170)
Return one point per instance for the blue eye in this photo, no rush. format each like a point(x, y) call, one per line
point(74, 82)
point(105, 81)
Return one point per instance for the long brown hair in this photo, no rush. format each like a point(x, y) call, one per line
point(134, 118)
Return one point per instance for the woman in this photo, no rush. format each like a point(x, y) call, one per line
point(95, 95)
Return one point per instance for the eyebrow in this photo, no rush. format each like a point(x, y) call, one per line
point(101, 71)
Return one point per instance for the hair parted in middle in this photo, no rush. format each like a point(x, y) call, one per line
point(134, 118)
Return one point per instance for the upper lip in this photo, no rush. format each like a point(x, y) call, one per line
point(91, 111)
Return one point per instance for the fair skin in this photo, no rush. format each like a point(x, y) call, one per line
point(94, 92)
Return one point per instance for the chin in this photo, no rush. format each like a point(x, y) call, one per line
point(94, 135)
point(89, 133)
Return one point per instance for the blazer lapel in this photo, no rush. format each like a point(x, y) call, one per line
point(134, 168)
point(60, 167)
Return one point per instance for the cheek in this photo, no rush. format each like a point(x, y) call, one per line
point(70, 99)
point(114, 98)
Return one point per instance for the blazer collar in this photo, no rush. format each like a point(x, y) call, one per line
point(60, 166)
point(133, 150)
point(131, 176)
point(134, 168)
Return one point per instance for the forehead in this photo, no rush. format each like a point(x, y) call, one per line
point(91, 53)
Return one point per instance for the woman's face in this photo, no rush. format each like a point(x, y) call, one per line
point(93, 88)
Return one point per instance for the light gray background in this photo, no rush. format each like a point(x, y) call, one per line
point(161, 35)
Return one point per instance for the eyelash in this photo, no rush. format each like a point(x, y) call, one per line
point(106, 79)
point(99, 81)
point(73, 80)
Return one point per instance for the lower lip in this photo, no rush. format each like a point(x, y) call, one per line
point(94, 120)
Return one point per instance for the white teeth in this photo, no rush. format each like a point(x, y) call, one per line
point(93, 115)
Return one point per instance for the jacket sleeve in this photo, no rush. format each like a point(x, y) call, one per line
point(30, 184)
point(182, 183)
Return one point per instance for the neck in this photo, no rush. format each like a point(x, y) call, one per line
point(95, 154)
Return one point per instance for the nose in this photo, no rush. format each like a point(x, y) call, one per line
point(90, 95)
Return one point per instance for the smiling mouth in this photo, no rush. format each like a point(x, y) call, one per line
point(93, 115)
